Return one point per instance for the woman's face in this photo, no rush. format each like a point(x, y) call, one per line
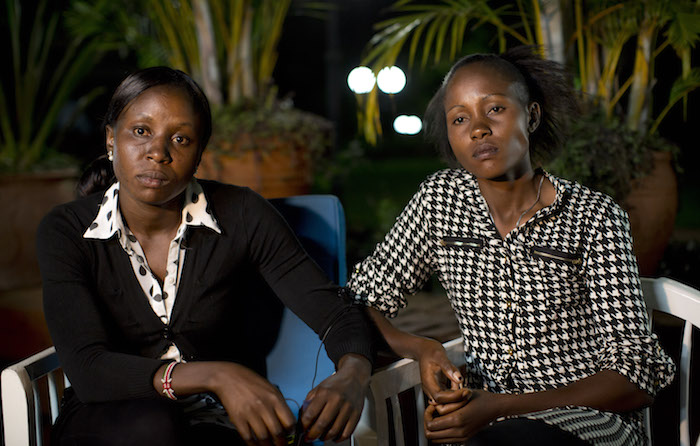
point(156, 146)
point(489, 122)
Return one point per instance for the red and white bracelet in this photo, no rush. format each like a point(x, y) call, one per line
point(167, 380)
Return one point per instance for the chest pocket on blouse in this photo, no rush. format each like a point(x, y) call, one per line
point(462, 242)
point(459, 258)
point(560, 275)
point(548, 254)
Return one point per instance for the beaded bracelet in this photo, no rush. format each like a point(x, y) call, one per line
point(167, 380)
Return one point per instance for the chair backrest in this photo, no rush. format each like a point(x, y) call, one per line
point(387, 418)
point(31, 390)
point(319, 223)
point(683, 302)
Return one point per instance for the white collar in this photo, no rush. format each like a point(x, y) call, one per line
point(109, 222)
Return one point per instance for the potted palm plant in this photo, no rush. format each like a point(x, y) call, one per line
point(230, 48)
point(606, 33)
point(619, 100)
point(36, 95)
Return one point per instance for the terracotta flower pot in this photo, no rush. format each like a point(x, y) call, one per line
point(280, 170)
point(26, 198)
point(652, 205)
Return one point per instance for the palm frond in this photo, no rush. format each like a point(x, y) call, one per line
point(680, 89)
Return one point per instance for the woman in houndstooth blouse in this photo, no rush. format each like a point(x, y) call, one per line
point(539, 271)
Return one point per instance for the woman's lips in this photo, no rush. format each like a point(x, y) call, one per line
point(152, 179)
point(485, 151)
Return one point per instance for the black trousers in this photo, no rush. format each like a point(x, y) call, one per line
point(151, 422)
point(524, 432)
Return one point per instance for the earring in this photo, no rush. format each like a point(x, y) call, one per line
point(110, 156)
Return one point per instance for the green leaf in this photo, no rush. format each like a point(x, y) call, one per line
point(440, 38)
point(39, 88)
point(684, 30)
point(680, 89)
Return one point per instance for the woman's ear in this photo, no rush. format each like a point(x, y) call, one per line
point(109, 138)
point(535, 114)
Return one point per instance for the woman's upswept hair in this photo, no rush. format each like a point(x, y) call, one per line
point(545, 82)
point(99, 175)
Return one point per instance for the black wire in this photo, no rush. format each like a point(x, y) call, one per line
point(323, 339)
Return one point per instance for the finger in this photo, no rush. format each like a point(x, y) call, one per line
point(452, 396)
point(447, 397)
point(323, 421)
point(275, 432)
point(285, 416)
point(309, 397)
point(443, 423)
point(337, 427)
point(442, 435)
point(431, 384)
point(245, 432)
point(276, 419)
point(453, 374)
point(444, 409)
point(452, 435)
point(258, 429)
point(310, 411)
point(429, 414)
point(351, 424)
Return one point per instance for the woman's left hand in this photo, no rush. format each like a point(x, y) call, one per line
point(335, 405)
point(459, 414)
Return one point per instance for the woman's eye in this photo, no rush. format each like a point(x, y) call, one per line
point(140, 131)
point(495, 109)
point(181, 139)
point(458, 120)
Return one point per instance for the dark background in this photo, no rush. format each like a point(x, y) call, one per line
point(374, 183)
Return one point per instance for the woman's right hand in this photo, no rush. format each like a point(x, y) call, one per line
point(436, 370)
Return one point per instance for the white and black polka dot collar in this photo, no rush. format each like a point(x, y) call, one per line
point(109, 223)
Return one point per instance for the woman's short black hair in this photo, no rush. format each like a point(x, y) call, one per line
point(136, 83)
point(545, 82)
point(99, 174)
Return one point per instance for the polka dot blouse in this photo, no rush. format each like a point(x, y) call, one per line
point(161, 297)
point(554, 301)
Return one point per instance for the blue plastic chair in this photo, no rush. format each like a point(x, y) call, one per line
point(319, 223)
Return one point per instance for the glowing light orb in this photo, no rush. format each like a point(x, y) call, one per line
point(361, 80)
point(408, 124)
point(391, 80)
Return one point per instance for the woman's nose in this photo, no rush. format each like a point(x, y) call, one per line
point(159, 150)
point(480, 129)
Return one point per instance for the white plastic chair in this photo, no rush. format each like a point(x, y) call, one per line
point(30, 389)
point(683, 302)
point(376, 428)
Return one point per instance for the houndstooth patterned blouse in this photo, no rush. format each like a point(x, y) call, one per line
point(554, 301)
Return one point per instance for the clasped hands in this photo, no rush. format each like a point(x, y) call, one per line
point(331, 410)
point(454, 413)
